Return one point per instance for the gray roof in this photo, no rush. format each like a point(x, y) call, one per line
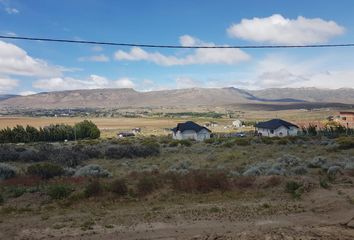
point(188, 126)
point(274, 124)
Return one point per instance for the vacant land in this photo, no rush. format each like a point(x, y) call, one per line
point(157, 188)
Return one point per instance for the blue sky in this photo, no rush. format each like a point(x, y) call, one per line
point(28, 67)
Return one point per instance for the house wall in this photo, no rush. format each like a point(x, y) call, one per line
point(190, 134)
point(279, 132)
point(347, 119)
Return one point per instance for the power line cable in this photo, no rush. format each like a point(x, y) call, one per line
point(174, 46)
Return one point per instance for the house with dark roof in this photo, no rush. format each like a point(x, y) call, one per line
point(190, 130)
point(276, 128)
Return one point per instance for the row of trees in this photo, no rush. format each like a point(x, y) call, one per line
point(330, 129)
point(59, 132)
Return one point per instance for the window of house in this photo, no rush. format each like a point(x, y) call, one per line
point(272, 131)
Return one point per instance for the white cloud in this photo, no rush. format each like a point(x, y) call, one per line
point(16, 61)
point(27, 93)
point(92, 82)
point(7, 84)
point(198, 56)
point(280, 30)
point(10, 10)
point(277, 71)
point(95, 58)
point(124, 83)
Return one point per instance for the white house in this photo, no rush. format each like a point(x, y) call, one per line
point(237, 123)
point(276, 128)
point(190, 130)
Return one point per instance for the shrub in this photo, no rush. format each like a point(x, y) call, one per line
point(131, 151)
point(16, 192)
point(59, 191)
point(201, 182)
point(345, 142)
point(242, 141)
point(94, 188)
point(119, 187)
point(45, 170)
point(31, 156)
point(8, 153)
point(147, 185)
point(324, 183)
point(69, 157)
point(267, 140)
point(282, 141)
point(7, 171)
point(92, 170)
point(244, 182)
point(1, 199)
point(273, 181)
point(185, 142)
point(294, 188)
point(86, 129)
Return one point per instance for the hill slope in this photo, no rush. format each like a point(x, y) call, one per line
point(115, 98)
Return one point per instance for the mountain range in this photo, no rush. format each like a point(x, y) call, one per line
point(126, 97)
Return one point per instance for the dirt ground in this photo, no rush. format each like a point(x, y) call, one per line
point(319, 214)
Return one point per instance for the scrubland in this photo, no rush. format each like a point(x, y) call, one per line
point(159, 188)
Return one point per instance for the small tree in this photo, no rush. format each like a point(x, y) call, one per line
point(86, 129)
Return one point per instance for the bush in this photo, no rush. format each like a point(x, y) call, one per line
point(16, 191)
point(147, 185)
point(267, 140)
point(131, 151)
point(119, 187)
point(31, 156)
point(294, 188)
point(201, 182)
point(86, 129)
point(69, 157)
point(282, 141)
point(92, 170)
point(7, 171)
point(59, 191)
point(242, 141)
point(345, 142)
point(94, 188)
point(45, 170)
point(8, 153)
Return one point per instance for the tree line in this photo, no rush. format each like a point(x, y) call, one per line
point(52, 133)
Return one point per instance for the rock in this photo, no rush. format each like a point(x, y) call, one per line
point(317, 162)
point(252, 171)
point(299, 170)
point(334, 170)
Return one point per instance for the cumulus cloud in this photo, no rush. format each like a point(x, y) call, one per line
point(7, 84)
point(277, 71)
point(95, 58)
point(16, 61)
point(279, 30)
point(92, 82)
point(124, 83)
point(198, 56)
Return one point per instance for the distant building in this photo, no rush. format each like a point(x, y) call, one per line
point(237, 123)
point(276, 128)
point(346, 119)
point(125, 134)
point(136, 130)
point(190, 130)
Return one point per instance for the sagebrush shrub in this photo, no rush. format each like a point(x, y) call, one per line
point(119, 187)
point(94, 188)
point(92, 170)
point(7, 171)
point(45, 170)
point(147, 184)
point(59, 191)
